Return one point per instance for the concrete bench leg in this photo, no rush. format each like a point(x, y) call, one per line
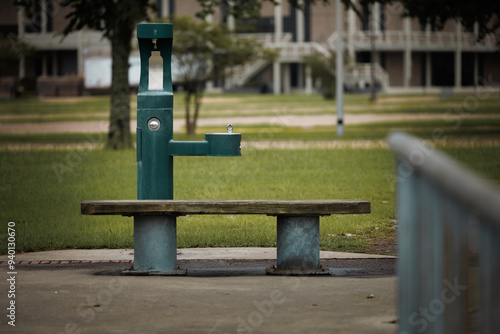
point(298, 246)
point(155, 246)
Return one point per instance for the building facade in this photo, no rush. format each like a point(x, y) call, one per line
point(407, 57)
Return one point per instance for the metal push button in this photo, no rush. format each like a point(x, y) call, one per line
point(154, 124)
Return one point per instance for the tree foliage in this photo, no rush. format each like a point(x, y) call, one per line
point(238, 9)
point(485, 13)
point(117, 21)
point(203, 51)
point(323, 68)
point(12, 47)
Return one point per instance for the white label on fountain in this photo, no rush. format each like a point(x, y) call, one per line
point(155, 71)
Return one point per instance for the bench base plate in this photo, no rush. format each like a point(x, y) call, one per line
point(175, 272)
point(297, 272)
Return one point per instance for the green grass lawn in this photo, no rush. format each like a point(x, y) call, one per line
point(54, 106)
point(41, 191)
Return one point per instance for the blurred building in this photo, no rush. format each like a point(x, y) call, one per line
point(407, 57)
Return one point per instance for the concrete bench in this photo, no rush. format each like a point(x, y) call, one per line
point(297, 228)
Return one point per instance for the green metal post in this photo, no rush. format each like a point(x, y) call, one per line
point(154, 116)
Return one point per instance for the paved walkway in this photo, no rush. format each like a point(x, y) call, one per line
point(305, 121)
point(70, 297)
point(235, 253)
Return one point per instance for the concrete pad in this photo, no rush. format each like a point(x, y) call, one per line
point(240, 253)
point(69, 299)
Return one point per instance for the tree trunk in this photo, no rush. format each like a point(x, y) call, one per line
point(197, 105)
point(119, 136)
point(373, 89)
point(189, 128)
point(372, 22)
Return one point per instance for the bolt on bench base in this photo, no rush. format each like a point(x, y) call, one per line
point(155, 246)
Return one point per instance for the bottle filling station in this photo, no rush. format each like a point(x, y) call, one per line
point(155, 236)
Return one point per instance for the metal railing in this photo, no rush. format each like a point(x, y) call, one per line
point(288, 52)
point(295, 51)
point(358, 76)
point(449, 243)
point(396, 40)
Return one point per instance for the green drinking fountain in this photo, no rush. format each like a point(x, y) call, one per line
point(155, 237)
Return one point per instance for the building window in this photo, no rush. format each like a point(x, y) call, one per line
point(382, 18)
point(365, 22)
point(443, 69)
point(42, 20)
point(367, 17)
point(252, 25)
point(165, 8)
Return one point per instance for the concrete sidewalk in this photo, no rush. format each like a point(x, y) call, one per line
point(235, 253)
point(89, 297)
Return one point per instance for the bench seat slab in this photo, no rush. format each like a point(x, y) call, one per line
point(218, 207)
